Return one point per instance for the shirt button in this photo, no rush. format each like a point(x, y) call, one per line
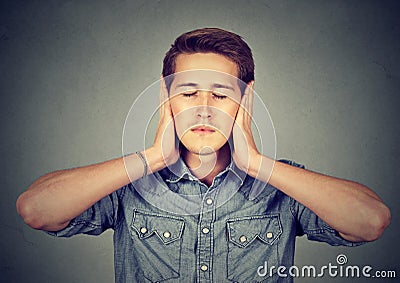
point(167, 234)
point(269, 235)
point(209, 201)
point(243, 239)
point(205, 230)
point(204, 267)
point(143, 230)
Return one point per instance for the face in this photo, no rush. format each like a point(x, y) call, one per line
point(205, 97)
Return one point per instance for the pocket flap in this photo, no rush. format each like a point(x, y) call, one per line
point(242, 231)
point(167, 228)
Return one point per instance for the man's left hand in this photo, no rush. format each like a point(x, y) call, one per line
point(245, 154)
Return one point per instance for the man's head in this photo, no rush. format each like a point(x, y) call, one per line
point(212, 40)
point(206, 71)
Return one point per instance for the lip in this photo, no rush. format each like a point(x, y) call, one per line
point(203, 129)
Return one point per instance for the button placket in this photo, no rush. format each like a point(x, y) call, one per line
point(205, 243)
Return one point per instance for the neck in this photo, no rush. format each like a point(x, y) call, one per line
point(206, 166)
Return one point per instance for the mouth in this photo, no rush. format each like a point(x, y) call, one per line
point(203, 130)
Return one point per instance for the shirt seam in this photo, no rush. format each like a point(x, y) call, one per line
point(118, 219)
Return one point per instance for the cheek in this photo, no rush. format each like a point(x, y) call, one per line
point(175, 107)
point(234, 111)
point(183, 119)
point(180, 109)
point(230, 112)
point(225, 120)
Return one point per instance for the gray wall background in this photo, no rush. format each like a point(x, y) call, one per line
point(329, 72)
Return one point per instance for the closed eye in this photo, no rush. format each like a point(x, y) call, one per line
point(219, 96)
point(215, 95)
point(189, 94)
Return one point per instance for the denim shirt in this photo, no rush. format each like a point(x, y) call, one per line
point(194, 233)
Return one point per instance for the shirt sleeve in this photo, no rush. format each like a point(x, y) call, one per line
point(308, 223)
point(101, 216)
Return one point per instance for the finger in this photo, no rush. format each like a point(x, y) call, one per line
point(164, 89)
point(167, 101)
point(164, 98)
point(241, 111)
point(161, 96)
point(249, 102)
point(250, 94)
point(244, 107)
point(251, 97)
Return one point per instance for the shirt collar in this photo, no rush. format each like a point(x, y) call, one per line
point(241, 175)
point(180, 170)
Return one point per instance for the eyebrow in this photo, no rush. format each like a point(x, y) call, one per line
point(187, 84)
point(216, 85)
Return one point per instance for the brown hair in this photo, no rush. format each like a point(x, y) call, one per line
point(213, 40)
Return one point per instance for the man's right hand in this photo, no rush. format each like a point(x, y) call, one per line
point(165, 150)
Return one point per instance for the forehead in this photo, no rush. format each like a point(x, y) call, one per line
point(205, 61)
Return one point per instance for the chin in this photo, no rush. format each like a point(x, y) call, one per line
point(202, 145)
point(202, 149)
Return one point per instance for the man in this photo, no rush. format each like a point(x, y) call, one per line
point(227, 239)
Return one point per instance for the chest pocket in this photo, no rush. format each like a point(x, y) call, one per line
point(252, 241)
point(157, 244)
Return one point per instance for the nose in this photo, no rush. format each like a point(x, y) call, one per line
point(203, 111)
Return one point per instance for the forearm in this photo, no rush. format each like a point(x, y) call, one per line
point(354, 210)
point(53, 200)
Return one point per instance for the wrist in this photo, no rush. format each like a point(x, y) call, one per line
point(254, 164)
point(260, 167)
point(155, 160)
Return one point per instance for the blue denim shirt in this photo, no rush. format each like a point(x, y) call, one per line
point(239, 224)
